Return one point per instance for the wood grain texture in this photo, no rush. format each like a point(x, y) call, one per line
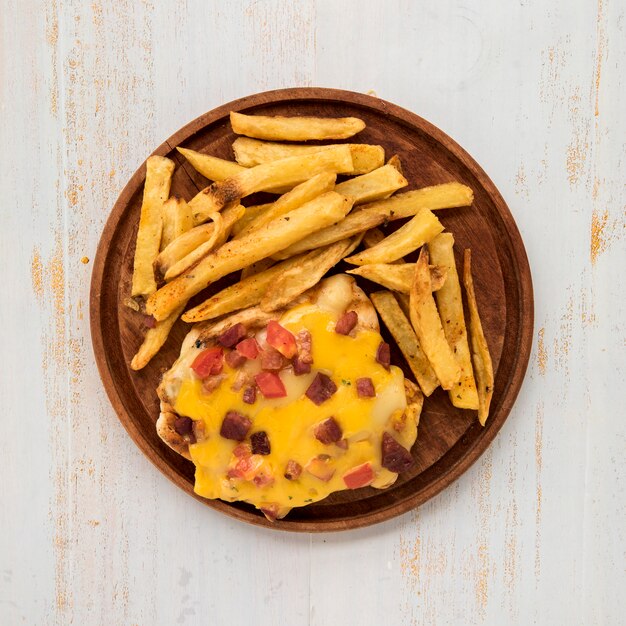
point(531, 533)
point(449, 439)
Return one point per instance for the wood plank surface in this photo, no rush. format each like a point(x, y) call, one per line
point(533, 533)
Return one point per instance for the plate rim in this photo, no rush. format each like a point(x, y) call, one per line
point(521, 270)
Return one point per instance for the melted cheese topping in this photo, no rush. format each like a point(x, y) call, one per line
point(290, 422)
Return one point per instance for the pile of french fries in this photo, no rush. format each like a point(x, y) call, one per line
point(285, 247)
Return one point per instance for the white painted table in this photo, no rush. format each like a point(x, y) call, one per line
point(91, 533)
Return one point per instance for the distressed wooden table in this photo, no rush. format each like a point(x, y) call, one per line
point(91, 533)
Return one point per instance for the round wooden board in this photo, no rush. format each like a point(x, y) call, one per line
point(449, 440)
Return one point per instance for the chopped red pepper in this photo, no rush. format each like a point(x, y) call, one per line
point(271, 385)
point(359, 476)
point(208, 362)
point(281, 339)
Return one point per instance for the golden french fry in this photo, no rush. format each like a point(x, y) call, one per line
point(177, 220)
point(400, 329)
point(409, 203)
point(306, 274)
point(252, 212)
point(211, 167)
point(450, 306)
point(279, 128)
point(353, 224)
point(234, 255)
point(399, 276)
point(289, 171)
point(192, 239)
point(257, 267)
point(380, 183)
point(299, 195)
point(167, 218)
point(202, 250)
point(372, 237)
point(156, 191)
point(419, 230)
point(241, 295)
point(251, 152)
point(483, 367)
point(395, 162)
point(154, 339)
point(427, 325)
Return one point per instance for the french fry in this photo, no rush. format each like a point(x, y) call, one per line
point(483, 367)
point(189, 241)
point(211, 167)
point(234, 255)
point(202, 250)
point(353, 224)
point(299, 195)
point(250, 318)
point(306, 274)
point(396, 162)
point(419, 230)
point(154, 339)
point(400, 329)
point(450, 306)
point(241, 295)
point(279, 128)
point(289, 171)
point(427, 325)
point(156, 191)
point(257, 267)
point(251, 152)
point(252, 212)
point(380, 183)
point(399, 276)
point(177, 219)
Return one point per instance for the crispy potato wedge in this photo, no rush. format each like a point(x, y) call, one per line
point(257, 267)
point(483, 367)
point(380, 183)
point(299, 195)
point(252, 212)
point(192, 239)
point(419, 230)
point(400, 329)
point(156, 191)
point(289, 171)
point(396, 162)
point(177, 219)
point(279, 128)
point(251, 152)
point(211, 167)
point(305, 274)
point(427, 325)
point(399, 276)
point(239, 253)
point(450, 306)
point(154, 339)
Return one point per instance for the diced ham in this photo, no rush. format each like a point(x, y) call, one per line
point(235, 359)
point(281, 339)
point(321, 389)
point(248, 348)
point(272, 359)
point(208, 362)
point(328, 431)
point(232, 335)
point(359, 476)
point(293, 470)
point(319, 467)
point(365, 388)
point(300, 367)
point(183, 425)
point(383, 355)
point(395, 457)
point(149, 321)
point(235, 426)
point(210, 384)
point(263, 479)
point(304, 342)
point(249, 395)
point(346, 323)
point(260, 443)
point(270, 385)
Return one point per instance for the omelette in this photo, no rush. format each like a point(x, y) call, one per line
point(281, 409)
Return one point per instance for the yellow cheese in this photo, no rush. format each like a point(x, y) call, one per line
point(290, 422)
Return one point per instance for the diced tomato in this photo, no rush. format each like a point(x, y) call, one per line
point(248, 348)
point(281, 339)
point(359, 476)
point(208, 362)
point(320, 468)
point(271, 385)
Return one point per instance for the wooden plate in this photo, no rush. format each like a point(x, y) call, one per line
point(449, 439)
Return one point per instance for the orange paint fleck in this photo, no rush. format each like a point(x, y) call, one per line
point(598, 234)
point(542, 353)
point(36, 274)
point(84, 260)
point(93, 523)
point(538, 497)
point(600, 45)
